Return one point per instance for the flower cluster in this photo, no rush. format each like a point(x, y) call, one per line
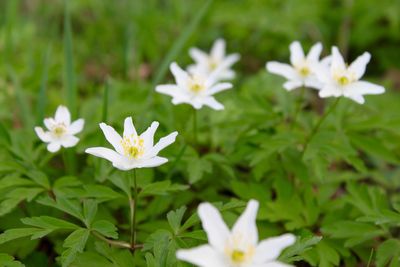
point(198, 84)
point(331, 75)
point(240, 246)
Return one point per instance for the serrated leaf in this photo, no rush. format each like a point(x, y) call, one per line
point(175, 218)
point(75, 243)
point(105, 228)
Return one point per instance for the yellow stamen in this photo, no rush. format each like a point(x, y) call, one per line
point(304, 71)
point(59, 130)
point(133, 146)
point(196, 84)
point(343, 80)
point(238, 256)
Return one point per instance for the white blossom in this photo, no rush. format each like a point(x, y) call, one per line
point(238, 247)
point(194, 89)
point(61, 132)
point(301, 71)
point(340, 79)
point(215, 62)
point(132, 150)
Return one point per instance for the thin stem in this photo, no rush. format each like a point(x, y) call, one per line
point(178, 158)
point(318, 125)
point(133, 206)
point(298, 106)
point(115, 243)
point(195, 125)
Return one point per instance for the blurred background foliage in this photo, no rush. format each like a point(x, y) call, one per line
point(345, 189)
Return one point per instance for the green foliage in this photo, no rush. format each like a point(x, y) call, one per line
point(103, 59)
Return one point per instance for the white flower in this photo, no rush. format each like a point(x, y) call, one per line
point(216, 61)
point(61, 132)
point(132, 150)
point(342, 80)
point(196, 90)
point(301, 72)
point(238, 247)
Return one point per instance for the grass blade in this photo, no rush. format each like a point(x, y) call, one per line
point(69, 79)
point(42, 99)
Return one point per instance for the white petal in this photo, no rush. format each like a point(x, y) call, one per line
point(230, 60)
point(69, 141)
point(213, 103)
point(313, 82)
point(203, 256)
point(76, 126)
point(328, 91)
point(112, 137)
point(322, 72)
point(337, 60)
point(315, 52)
point(214, 226)
point(218, 88)
point(152, 162)
point(44, 136)
point(270, 249)
point(63, 115)
point(148, 135)
point(359, 65)
point(296, 53)
point(218, 49)
point(197, 55)
point(293, 84)
point(169, 89)
point(49, 123)
point(357, 98)
point(105, 153)
point(129, 128)
point(246, 224)
point(53, 147)
point(363, 88)
point(282, 69)
point(162, 143)
point(180, 75)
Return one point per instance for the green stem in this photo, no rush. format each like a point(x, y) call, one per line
point(195, 126)
point(318, 125)
point(298, 106)
point(133, 206)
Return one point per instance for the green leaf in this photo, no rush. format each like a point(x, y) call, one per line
point(160, 188)
point(354, 232)
point(13, 198)
point(302, 245)
point(175, 219)
point(15, 233)
point(89, 211)
point(101, 192)
point(9, 261)
point(388, 253)
point(71, 207)
point(197, 167)
point(105, 228)
point(75, 243)
point(39, 177)
point(47, 222)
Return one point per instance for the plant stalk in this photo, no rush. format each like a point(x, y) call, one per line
point(318, 125)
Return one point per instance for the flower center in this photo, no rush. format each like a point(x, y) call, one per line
point(59, 130)
point(133, 146)
point(213, 63)
point(304, 71)
point(343, 80)
point(196, 84)
point(238, 256)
